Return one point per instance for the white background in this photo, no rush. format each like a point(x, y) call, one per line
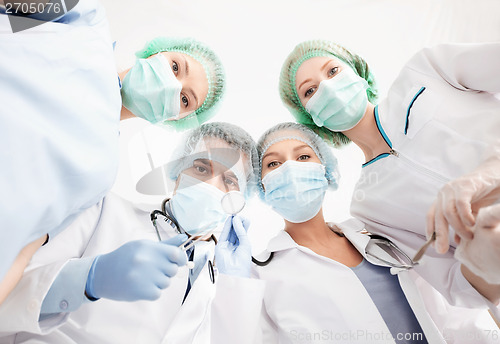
point(253, 38)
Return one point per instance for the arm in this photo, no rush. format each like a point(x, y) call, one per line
point(480, 256)
point(450, 279)
point(459, 201)
point(236, 310)
point(15, 272)
point(21, 310)
point(464, 66)
point(268, 330)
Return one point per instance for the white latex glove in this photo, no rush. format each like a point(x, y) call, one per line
point(482, 254)
point(458, 201)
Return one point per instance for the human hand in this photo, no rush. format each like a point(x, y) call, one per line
point(482, 254)
point(459, 200)
point(233, 252)
point(138, 270)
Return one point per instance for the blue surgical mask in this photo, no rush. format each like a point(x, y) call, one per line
point(151, 91)
point(339, 102)
point(295, 190)
point(197, 206)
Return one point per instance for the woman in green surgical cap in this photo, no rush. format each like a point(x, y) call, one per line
point(176, 82)
point(433, 136)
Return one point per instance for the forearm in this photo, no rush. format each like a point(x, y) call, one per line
point(15, 272)
point(20, 311)
point(489, 291)
point(67, 293)
point(464, 66)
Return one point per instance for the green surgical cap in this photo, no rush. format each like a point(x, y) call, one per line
point(299, 132)
point(288, 92)
point(213, 69)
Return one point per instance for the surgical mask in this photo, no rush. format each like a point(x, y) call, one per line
point(295, 190)
point(197, 206)
point(151, 91)
point(340, 102)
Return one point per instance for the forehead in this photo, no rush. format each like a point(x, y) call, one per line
point(313, 65)
point(287, 141)
point(197, 75)
point(216, 149)
point(195, 67)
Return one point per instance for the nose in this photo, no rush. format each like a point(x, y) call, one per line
point(217, 180)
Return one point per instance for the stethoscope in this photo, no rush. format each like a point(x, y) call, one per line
point(232, 203)
point(405, 262)
point(163, 215)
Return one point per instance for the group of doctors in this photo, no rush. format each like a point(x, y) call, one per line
point(81, 265)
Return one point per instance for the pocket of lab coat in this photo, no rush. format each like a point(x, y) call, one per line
point(419, 108)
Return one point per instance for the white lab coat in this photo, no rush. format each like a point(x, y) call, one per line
point(59, 118)
point(102, 229)
point(439, 134)
point(313, 299)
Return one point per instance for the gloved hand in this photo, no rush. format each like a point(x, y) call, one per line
point(138, 270)
point(233, 253)
point(482, 254)
point(459, 200)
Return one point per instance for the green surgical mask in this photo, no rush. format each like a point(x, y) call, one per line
point(151, 91)
point(340, 102)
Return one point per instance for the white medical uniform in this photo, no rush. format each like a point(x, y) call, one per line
point(59, 122)
point(313, 299)
point(440, 117)
point(226, 314)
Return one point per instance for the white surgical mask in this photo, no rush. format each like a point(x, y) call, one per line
point(339, 102)
point(197, 206)
point(296, 190)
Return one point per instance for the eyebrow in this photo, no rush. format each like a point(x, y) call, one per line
point(295, 149)
point(194, 96)
point(301, 146)
point(324, 66)
point(269, 154)
point(186, 65)
point(305, 81)
point(231, 174)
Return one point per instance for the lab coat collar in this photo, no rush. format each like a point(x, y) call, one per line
point(147, 207)
point(282, 241)
point(351, 228)
point(380, 128)
point(353, 231)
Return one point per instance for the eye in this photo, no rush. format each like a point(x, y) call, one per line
point(175, 67)
point(303, 157)
point(333, 71)
point(232, 183)
point(200, 169)
point(310, 91)
point(185, 100)
point(273, 164)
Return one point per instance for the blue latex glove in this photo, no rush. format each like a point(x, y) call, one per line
point(233, 252)
point(138, 270)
